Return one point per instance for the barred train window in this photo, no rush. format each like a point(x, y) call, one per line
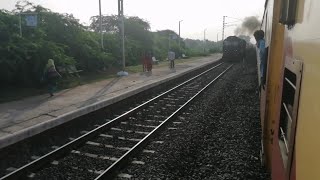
point(288, 12)
point(288, 98)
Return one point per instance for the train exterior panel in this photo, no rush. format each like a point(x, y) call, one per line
point(303, 45)
point(234, 49)
point(290, 105)
point(270, 96)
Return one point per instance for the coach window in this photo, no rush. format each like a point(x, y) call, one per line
point(288, 12)
point(288, 97)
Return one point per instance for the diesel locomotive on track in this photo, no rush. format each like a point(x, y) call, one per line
point(234, 49)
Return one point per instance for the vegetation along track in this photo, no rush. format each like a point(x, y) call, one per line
point(102, 151)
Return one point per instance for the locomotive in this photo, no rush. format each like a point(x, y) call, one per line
point(234, 49)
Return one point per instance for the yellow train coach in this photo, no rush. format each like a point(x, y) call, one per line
point(290, 103)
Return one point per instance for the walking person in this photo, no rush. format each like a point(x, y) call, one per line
point(52, 76)
point(171, 58)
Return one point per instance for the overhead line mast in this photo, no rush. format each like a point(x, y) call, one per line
point(223, 26)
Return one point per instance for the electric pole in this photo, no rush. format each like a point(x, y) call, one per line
point(20, 24)
point(121, 17)
point(101, 32)
point(204, 40)
point(179, 38)
point(223, 26)
point(169, 41)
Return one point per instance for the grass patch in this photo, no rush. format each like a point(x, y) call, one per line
point(134, 69)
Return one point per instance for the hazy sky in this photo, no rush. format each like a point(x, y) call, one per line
point(197, 15)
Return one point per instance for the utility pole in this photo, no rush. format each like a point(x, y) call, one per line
point(169, 42)
point(204, 40)
point(179, 38)
point(217, 37)
point(223, 26)
point(121, 17)
point(20, 24)
point(101, 32)
point(20, 21)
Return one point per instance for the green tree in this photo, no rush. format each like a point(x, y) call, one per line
point(63, 38)
point(138, 37)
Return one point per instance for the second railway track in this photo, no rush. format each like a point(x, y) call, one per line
point(100, 153)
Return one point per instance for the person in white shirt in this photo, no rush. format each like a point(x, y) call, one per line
point(171, 58)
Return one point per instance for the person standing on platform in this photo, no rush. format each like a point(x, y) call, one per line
point(144, 62)
point(149, 62)
point(52, 76)
point(171, 58)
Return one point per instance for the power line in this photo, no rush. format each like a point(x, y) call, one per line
point(229, 24)
point(234, 18)
point(223, 26)
point(232, 22)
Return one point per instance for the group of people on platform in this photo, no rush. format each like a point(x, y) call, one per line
point(51, 75)
point(147, 61)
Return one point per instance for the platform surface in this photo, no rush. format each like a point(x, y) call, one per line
point(27, 117)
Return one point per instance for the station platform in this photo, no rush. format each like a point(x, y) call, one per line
point(28, 117)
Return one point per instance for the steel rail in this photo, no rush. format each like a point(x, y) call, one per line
point(65, 149)
point(110, 173)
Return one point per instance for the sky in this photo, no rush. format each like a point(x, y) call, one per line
point(197, 15)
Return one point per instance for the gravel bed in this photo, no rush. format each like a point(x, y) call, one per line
point(126, 134)
point(63, 173)
point(135, 128)
point(148, 121)
point(115, 142)
point(219, 137)
point(102, 151)
point(75, 166)
point(84, 162)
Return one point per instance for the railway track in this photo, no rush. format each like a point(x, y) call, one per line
point(100, 153)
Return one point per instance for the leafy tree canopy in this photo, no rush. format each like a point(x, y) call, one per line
point(63, 38)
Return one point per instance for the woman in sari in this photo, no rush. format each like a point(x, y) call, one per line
point(52, 76)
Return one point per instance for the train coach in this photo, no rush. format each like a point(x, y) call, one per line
point(290, 103)
point(234, 49)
